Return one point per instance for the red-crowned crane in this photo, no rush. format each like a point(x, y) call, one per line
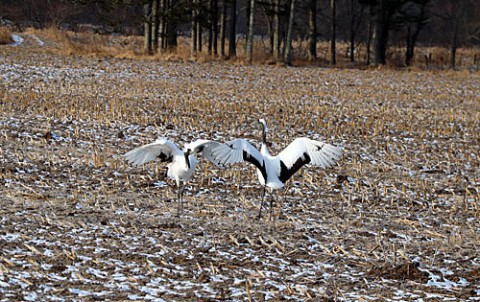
point(274, 171)
point(182, 163)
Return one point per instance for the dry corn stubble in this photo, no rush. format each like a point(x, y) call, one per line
point(405, 192)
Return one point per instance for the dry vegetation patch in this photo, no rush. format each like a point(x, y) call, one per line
point(401, 272)
point(88, 43)
point(78, 223)
point(5, 35)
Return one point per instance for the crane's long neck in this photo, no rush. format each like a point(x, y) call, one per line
point(187, 159)
point(264, 149)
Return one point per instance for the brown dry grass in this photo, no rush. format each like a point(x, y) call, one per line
point(5, 35)
point(404, 271)
point(91, 44)
point(86, 44)
point(406, 191)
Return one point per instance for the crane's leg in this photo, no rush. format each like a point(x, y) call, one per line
point(285, 192)
point(180, 200)
point(263, 199)
point(271, 207)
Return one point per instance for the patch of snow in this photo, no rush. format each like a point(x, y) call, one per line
point(80, 292)
point(160, 184)
point(31, 296)
point(39, 42)
point(97, 273)
point(17, 40)
point(10, 237)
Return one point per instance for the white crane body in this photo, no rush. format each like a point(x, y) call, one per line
point(182, 163)
point(274, 171)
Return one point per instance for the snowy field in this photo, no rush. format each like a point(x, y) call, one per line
point(396, 220)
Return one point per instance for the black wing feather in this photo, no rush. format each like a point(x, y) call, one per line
point(165, 157)
point(260, 165)
point(286, 173)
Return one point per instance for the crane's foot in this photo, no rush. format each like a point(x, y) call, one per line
point(259, 213)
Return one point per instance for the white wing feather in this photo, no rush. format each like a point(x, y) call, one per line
point(321, 154)
point(236, 151)
point(149, 152)
point(205, 148)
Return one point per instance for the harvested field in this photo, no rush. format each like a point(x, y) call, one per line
point(397, 219)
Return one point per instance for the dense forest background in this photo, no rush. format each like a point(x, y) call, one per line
point(217, 26)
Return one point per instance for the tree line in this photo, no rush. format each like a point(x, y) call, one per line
point(216, 26)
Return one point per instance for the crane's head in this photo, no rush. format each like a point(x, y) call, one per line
point(264, 124)
point(264, 130)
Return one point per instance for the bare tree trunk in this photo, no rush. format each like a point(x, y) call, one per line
point(312, 31)
point(283, 30)
point(383, 13)
point(453, 49)
point(377, 35)
point(410, 46)
point(333, 37)
point(155, 24)
point(170, 28)
point(210, 28)
point(378, 45)
point(199, 34)
point(223, 26)
point(162, 25)
point(380, 38)
point(352, 31)
point(455, 33)
point(276, 31)
point(370, 33)
point(251, 24)
point(193, 43)
point(288, 41)
point(232, 48)
point(412, 38)
point(270, 29)
point(248, 10)
point(215, 27)
point(147, 12)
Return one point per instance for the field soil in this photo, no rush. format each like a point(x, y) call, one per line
point(397, 219)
